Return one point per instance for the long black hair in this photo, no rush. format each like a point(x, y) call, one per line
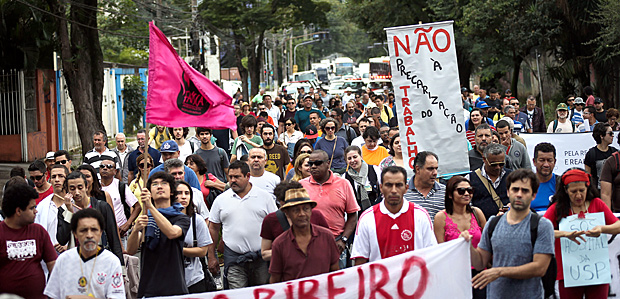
point(95, 191)
point(471, 126)
point(562, 200)
point(450, 188)
point(191, 208)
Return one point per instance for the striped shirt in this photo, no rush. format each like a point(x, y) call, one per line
point(94, 158)
point(433, 202)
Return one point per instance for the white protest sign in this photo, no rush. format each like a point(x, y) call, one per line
point(416, 274)
point(427, 91)
point(588, 262)
point(614, 262)
point(571, 148)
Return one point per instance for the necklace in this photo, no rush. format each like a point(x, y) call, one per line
point(83, 282)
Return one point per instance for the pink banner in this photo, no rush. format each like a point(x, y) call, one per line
point(180, 96)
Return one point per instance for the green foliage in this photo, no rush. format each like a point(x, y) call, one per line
point(374, 15)
point(134, 102)
point(607, 16)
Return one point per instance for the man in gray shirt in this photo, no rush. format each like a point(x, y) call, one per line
point(216, 158)
point(517, 267)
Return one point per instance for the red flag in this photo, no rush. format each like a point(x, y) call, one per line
point(180, 96)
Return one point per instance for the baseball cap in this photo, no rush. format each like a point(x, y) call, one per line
point(507, 91)
point(464, 89)
point(49, 156)
point(482, 105)
point(598, 100)
point(311, 132)
point(561, 106)
point(169, 146)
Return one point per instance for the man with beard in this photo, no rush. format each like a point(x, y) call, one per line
point(483, 138)
point(24, 244)
point(544, 161)
point(260, 178)
point(561, 124)
point(423, 190)
point(87, 227)
point(132, 166)
point(242, 206)
point(97, 154)
point(351, 115)
point(77, 186)
point(517, 153)
point(215, 158)
point(186, 147)
point(277, 155)
point(47, 209)
point(381, 229)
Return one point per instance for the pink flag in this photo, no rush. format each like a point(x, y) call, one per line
point(180, 96)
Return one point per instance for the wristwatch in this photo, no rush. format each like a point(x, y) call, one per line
point(343, 238)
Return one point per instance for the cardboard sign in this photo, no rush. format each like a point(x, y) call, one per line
point(587, 263)
point(427, 94)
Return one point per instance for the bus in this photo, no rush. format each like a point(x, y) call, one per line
point(343, 66)
point(380, 68)
point(305, 76)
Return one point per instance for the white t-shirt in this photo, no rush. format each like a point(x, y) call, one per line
point(106, 280)
point(242, 218)
point(565, 127)
point(185, 150)
point(267, 182)
point(274, 112)
point(366, 244)
point(119, 211)
point(47, 216)
point(193, 271)
point(199, 203)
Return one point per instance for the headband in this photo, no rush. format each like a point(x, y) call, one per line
point(576, 175)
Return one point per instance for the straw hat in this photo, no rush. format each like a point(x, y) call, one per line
point(295, 197)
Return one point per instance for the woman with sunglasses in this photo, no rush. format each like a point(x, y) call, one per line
point(333, 145)
point(596, 155)
point(145, 165)
point(94, 187)
point(303, 146)
point(196, 241)
point(575, 195)
point(290, 137)
point(458, 216)
point(302, 168)
point(363, 178)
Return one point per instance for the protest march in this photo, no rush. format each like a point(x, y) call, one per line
point(425, 188)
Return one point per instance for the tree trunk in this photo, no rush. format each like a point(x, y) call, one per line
point(82, 62)
point(243, 72)
point(516, 69)
point(255, 60)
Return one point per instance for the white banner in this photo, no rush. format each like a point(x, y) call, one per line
point(441, 271)
point(428, 98)
point(614, 262)
point(570, 148)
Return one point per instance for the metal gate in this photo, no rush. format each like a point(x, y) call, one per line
point(13, 107)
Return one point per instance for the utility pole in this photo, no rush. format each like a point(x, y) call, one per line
point(274, 52)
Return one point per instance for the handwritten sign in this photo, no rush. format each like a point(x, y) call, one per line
point(415, 274)
point(587, 263)
point(427, 91)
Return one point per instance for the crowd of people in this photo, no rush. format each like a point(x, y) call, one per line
point(306, 185)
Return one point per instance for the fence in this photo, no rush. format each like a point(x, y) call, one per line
point(13, 107)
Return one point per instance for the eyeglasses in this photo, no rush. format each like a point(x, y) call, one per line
point(289, 124)
point(36, 177)
point(306, 152)
point(141, 166)
point(317, 163)
point(462, 191)
point(496, 164)
point(63, 162)
point(290, 103)
point(330, 128)
point(108, 166)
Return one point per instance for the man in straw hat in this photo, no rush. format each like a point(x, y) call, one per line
point(393, 226)
point(306, 249)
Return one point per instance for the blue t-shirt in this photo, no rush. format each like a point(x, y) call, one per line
point(543, 197)
point(133, 156)
point(328, 147)
point(512, 247)
point(302, 117)
point(190, 175)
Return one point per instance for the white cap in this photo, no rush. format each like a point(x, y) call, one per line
point(49, 156)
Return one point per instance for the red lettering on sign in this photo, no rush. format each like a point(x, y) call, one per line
point(444, 49)
point(423, 39)
point(412, 151)
point(220, 296)
point(419, 262)
point(289, 291)
point(410, 131)
point(377, 286)
point(259, 291)
point(405, 102)
point(408, 120)
point(310, 294)
point(361, 287)
point(407, 111)
point(412, 159)
point(332, 291)
point(410, 139)
point(404, 88)
point(397, 42)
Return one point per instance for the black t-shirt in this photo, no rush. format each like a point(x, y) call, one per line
point(351, 119)
point(163, 273)
point(493, 103)
point(222, 139)
point(600, 116)
point(286, 115)
point(595, 159)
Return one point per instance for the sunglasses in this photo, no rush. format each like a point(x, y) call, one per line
point(317, 163)
point(495, 164)
point(63, 162)
point(141, 166)
point(462, 191)
point(289, 124)
point(36, 177)
point(610, 133)
point(305, 152)
point(108, 166)
point(330, 128)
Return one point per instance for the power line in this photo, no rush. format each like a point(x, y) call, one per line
point(78, 23)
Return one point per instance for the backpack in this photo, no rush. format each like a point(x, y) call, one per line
point(548, 280)
point(126, 207)
point(555, 125)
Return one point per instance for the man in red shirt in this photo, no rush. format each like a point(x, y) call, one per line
point(38, 174)
point(306, 249)
point(23, 244)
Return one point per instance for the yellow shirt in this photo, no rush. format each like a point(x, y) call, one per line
point(374, 157)
point(159, 138)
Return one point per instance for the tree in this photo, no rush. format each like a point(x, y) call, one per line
point(82, 63)
point(244, 24)
point(134, 102)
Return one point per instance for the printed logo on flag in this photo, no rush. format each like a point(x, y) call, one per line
point(190, 100)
